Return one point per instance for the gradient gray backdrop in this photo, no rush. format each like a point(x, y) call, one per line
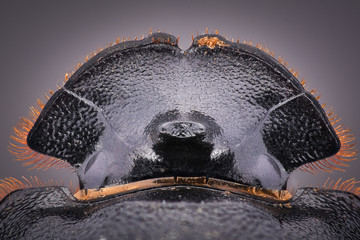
point(42, 40)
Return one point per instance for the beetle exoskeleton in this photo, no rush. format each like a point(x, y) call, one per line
point(146, 109)
point(181, 144)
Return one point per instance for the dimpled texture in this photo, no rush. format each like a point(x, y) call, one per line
point(179, 213)
point(234, 85)
point(235, 88)
point(297, 131)
point(67, 128)
point(125, 86)
point(152, 79)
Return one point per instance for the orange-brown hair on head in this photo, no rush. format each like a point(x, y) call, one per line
point(18, 146)
point(347, 152)
point(210, 42)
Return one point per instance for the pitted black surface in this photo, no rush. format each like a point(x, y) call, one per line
point(108, 115)
point(179, 213)
point(297, 132)
point(67, 128)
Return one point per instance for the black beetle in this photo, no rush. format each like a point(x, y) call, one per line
point(181, 144)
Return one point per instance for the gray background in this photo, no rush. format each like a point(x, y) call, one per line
point(42, 40)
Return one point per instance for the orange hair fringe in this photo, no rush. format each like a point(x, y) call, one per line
point(19, 148)
point(347, 152)
point(8, 185)
point(18, 145)
point(350, 185)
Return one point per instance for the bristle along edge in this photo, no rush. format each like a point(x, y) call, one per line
point(347, 152)
point(23, 152)
point(18, 145)
point(117, 41)
point(10, 184)
point(19, 148)
point(351, 185)
point(280, 59)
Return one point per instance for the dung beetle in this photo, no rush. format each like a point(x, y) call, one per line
point(173, 144)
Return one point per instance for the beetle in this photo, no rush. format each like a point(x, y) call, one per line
point(176, 144)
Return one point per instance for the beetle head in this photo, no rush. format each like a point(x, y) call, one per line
point(145, 109)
